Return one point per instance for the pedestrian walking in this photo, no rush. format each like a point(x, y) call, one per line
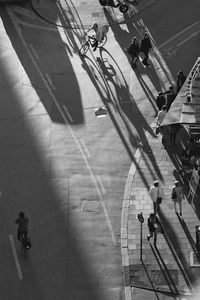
point(160, 100)
point(145, 48)
point(177, 197)
point(154, 226)
point(134, 51)
point(180, 80)
point(161, 115)
point(156, 194)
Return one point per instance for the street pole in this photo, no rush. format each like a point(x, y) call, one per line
point(141, 220)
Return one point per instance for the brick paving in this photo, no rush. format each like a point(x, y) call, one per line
point(167, 266)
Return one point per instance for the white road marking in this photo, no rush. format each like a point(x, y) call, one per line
point(34, 51)
point(50, 81)
point(101, 199)
point(188, 38)
point(178, 34)
point(101, 185)
point(68, 114)
point(19, 271)
point(85, 148)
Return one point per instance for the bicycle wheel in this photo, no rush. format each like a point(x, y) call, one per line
point(123, 8)
point(84, 48)
point(102, 43)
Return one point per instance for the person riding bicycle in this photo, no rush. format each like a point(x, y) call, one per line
point(98, 36)
point(22, 221)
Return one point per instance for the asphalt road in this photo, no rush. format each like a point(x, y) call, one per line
point(59, 162)
point(175, 26)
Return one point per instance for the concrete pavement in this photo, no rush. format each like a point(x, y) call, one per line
point(166, 267)
point(164, 271)
point(152, 161)
point(88, 11)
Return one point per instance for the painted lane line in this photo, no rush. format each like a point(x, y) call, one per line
point(34, 51)
point(19, 271)
point(101, 199)
point(188, 38)
point(178, 34)
point(50, 81)
point(101, 185)
point(85, 148)
point(68, 114)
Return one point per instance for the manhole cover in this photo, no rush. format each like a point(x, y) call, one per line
point(90, 206)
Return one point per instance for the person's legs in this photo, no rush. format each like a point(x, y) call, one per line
point(175, 207)
point(18, 234)
point(146, 54)
point(180, 207)
point(150, 235)
point(155, 207)
point(95, 44)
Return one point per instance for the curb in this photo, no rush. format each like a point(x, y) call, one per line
point(124, 219)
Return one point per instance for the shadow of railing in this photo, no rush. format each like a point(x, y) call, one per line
point(177, 253)
point(168, 278)
point(188, 234)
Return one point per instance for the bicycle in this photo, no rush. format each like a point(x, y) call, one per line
point(25, 243)
point(89, 41)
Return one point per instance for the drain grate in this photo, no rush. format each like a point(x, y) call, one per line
point(90, 206)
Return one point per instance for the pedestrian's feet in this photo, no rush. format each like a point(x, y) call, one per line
point(94, 49)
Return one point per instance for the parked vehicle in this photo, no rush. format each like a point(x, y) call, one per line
point(123, 8)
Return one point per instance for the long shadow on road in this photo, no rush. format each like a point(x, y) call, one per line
point(47, 64)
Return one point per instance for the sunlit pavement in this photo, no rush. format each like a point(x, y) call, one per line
point(133, 206)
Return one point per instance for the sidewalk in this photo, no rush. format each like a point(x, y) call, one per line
point(86, 12)
point(167, 267)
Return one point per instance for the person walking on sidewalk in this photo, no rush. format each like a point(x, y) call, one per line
point(154, 226)
point(160, 100)
point(177, 197)
point(156, 194)
point(180, 80)
point(145, 48)
point(134, 51)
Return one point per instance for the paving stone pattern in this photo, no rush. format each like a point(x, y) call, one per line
point(159, 264)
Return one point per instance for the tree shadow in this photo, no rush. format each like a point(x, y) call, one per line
point(188, 234)
point(48, 71)
point(126, 106)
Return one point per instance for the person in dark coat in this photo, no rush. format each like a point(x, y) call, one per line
point(160, 100)
point(180, 80)
point(134, 50)
point(145, 48)
point(154, 227)
point(171, 95)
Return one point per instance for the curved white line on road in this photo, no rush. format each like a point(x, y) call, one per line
point(85, 148)
point(34, 51)
point(50, 81)
point(178, 34)
point(68, 114)
point(93, 176)
point(101, 184)
point(19, 271)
